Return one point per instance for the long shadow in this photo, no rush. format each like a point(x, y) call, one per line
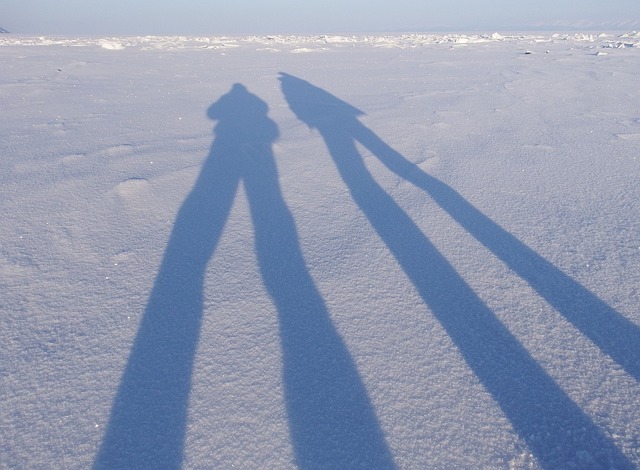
point(614, 334)
point(554, 427)
point(332, 422)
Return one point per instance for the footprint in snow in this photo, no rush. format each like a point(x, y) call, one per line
point(133, 188)
point(117, 150)
point(634, 137)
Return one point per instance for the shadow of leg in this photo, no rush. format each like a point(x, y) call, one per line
point(332, 421)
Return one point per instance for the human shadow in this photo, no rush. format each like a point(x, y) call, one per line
point(556, 430)
point(614, 334)
point(332, 421)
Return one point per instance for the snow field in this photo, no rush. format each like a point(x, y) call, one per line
point(104, 139)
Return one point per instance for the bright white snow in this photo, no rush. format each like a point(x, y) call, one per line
point(411, 251)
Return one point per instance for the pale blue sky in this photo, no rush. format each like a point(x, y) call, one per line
point(215, 17)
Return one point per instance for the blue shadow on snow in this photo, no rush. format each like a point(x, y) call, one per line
point(332, 421)
point(556, 430)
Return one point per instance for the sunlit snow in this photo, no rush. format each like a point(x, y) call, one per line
point(403, 251)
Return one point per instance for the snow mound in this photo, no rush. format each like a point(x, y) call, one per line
point(111, 45)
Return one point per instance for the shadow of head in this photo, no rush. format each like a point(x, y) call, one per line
point(242, 116)
point(314, 106)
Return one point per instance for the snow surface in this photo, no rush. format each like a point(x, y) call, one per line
point(411, 251)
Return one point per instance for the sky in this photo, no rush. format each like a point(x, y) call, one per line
point(215, 17)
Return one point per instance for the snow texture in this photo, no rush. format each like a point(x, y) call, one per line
point(404, 251)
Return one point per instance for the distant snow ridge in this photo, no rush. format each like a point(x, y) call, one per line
point(2, 30)
point(317, 43)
